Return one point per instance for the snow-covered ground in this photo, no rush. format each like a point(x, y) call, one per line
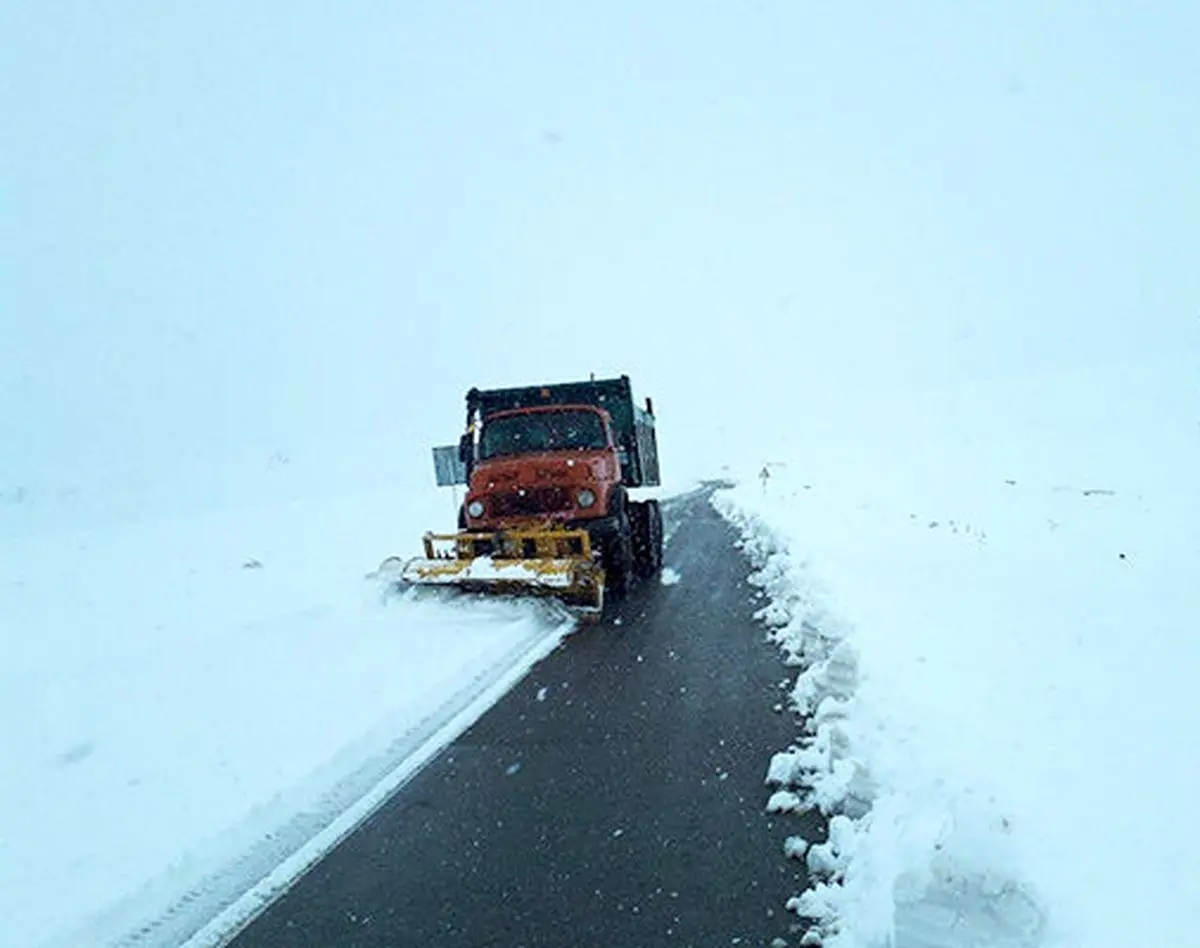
point(191, 700)
point(988, 598)
point(992, 603)
point(833, 241)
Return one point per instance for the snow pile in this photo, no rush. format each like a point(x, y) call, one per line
point(190, 700)
point(994, 638)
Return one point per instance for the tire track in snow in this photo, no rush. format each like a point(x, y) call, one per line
point(211, 910)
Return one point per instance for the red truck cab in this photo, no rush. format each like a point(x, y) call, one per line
point(558, 463)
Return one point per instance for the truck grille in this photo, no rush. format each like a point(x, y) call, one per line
point(536, 500)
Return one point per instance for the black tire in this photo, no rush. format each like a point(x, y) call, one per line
point(639, 524)
point(646, 520)
point(462, 517)
point(619, 554)
point(655, 537)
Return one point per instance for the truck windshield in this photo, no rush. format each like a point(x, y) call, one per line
point(542, 431)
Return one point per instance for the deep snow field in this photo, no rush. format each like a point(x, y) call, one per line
point(200, 683)
point(988, 599)
point(992, 603)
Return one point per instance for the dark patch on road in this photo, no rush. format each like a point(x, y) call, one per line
point(614, 797)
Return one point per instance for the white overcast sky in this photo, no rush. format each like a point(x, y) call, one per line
point(226, 226)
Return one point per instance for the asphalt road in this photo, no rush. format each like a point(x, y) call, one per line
point(614, 797)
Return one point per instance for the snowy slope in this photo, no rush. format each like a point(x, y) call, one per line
point(189, 700)
point(995, 637)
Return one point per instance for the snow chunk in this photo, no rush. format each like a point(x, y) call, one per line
point(783, 769)
point(785, 801)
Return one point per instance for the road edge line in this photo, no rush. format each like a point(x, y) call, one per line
point(235, 917)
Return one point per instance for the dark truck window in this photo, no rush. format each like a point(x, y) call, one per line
point(542, 431)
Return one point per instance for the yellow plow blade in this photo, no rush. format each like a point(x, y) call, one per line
point(540, 561)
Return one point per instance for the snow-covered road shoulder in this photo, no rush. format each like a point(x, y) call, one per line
point(889, 860)
point(381, 775)
point(995, 675)
point(199, 707)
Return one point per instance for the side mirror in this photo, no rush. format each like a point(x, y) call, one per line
point(466, 449)
point(450, 471)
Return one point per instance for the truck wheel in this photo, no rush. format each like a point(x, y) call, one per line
point(646, 520)
point(639, 525)
point(619, 559)
point(655, 537)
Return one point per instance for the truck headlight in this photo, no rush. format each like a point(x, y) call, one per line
point(586, 498)
point(475, 508)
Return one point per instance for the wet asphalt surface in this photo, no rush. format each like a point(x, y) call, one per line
point(614, 797)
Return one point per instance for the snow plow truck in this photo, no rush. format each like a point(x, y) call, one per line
point(549, 471)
